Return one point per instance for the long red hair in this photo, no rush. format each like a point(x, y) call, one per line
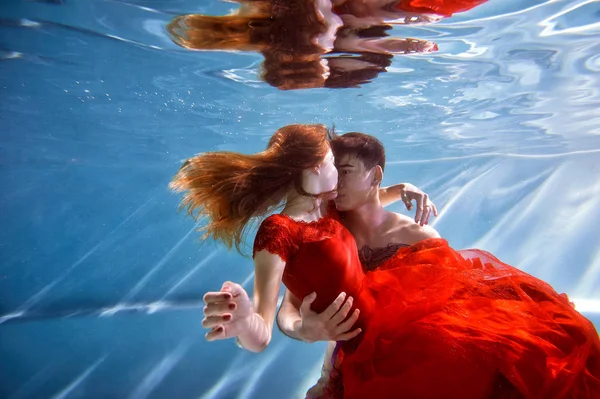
point(231, 189)
point(284, 31)
point(265, 26)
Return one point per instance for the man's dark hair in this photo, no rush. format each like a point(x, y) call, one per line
point(364, 147)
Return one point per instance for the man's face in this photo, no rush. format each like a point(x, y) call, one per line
point(355, 183)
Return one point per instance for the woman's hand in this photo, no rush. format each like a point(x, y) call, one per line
point(408, 193)
point(227, 313)
point(425, 207)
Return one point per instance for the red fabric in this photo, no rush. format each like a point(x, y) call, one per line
point(444, 8)
point(440, 323)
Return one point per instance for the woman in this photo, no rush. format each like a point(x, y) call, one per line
point(479, 328)
point(304, 44)
point(233, 189)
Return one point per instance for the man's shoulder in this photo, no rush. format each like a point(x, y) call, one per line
point(401, 219)
point(409, 232)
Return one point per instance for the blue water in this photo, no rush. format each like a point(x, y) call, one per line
point(98, 107)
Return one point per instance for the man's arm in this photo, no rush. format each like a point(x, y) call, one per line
point(296, 319)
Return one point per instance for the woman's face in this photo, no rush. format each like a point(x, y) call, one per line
point(323, 178)
point(329, 173)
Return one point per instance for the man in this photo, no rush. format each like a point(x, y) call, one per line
point(517, 337)
point(379, 234)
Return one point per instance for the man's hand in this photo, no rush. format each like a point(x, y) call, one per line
point(227, 313)
point(331, 325)
point(425, 207)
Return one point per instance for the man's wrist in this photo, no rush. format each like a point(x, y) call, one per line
point(297, 328)
point(301, 333)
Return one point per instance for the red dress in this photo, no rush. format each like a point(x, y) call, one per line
point(439, 323)
point(444, 8)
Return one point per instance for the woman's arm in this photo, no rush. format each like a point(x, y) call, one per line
point(268, 273)
point(229, 313)
point(391, 194)
point(408, 193)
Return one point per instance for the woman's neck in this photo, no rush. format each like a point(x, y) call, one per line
point(304, 207)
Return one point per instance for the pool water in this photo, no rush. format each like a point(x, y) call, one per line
point(101, 278)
